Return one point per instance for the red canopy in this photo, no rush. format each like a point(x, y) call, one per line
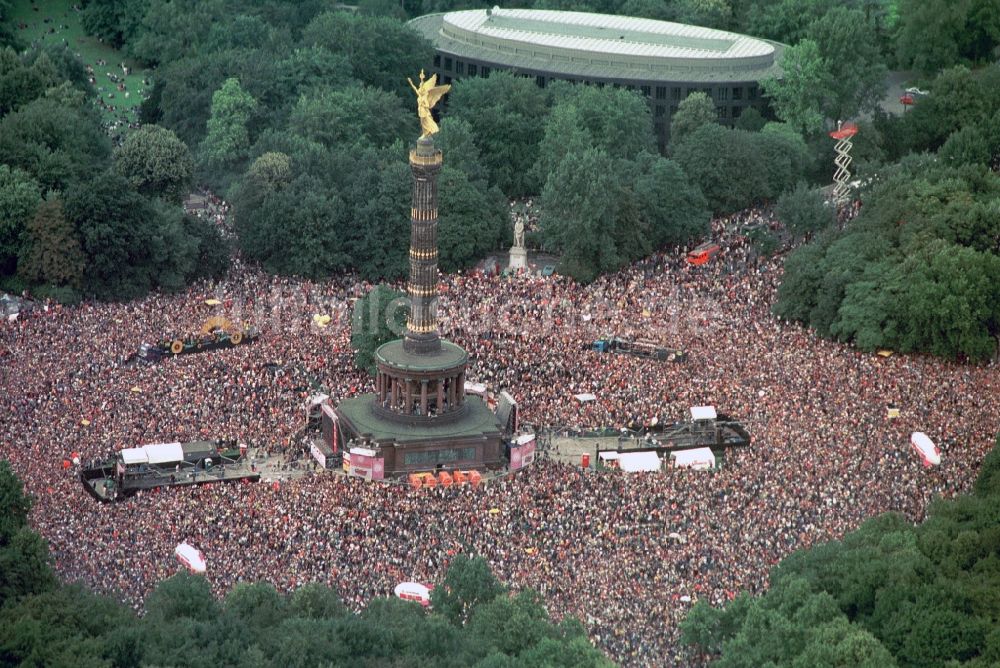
point(846, 130)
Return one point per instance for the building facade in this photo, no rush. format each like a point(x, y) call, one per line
point(663, 61)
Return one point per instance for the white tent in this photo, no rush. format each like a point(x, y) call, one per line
point(478, 389)
point(163, 453)
point(191, 557)
point(585, 396)
point(703, 413)
point(317, 399)
point(134, 456)
point(633, 462)
point(699, 459)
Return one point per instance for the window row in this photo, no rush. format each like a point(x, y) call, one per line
point(676, 93)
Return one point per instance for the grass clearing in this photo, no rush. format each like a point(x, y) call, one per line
point(57, 22)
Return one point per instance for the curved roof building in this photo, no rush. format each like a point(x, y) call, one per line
point(665, 61)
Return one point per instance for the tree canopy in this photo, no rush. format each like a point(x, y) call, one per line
point(76, 219)
point(918, 270)
point(155, 163)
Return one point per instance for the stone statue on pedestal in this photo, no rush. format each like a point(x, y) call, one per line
point(518, 253)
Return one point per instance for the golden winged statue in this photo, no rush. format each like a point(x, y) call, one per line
point(428, 94)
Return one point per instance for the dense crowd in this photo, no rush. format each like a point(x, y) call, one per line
point(624, 553)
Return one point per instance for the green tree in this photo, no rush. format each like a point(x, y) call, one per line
point(707, 627)
point(352, 114)
point(56, 145)
point(24, 566)
point(171, 29)
point(589, 216)
point(116, 227)
point(246, 31)
point(378, 317)
point(114, 21)
point(208, 250)
point(783, 157)
point(565, 133)
point(503, 111)
point(52, 254)
point(948, 301)
point(65, 626)
point(856, 70)
point(21, 82)
point(959, 99)
point(804, 210)
point(722, 162)
point(617, 120)
point(839, 644)
point(750, 120)
point(269, 172)
point(14, 504)
point(182, 596)
point(298, 230)
point(783, 20)
point(576, 652)
point(675, 210)
point(937, 34)
point(256, 607)
point(472, 220)
point(797, 97)
point(966, 146)
point(68, 67)
point(381, 204)
point(869, 315)
point(315, 601)
point(988, 480)
point(155, 163)
point(468, 584)
point(382, 51)
point(510, 625)
point(799, 289)
point(19, 197)
point(694, 111)
point(227, 143)
point(458, 146)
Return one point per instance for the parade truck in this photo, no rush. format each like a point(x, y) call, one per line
point(638, 348)
point(165, 465)
point(217, 333)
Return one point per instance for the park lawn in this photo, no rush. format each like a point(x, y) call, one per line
point(28, 20)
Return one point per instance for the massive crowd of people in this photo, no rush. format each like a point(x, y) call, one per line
point(625, 553)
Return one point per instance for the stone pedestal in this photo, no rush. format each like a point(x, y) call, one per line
point(518, 258)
